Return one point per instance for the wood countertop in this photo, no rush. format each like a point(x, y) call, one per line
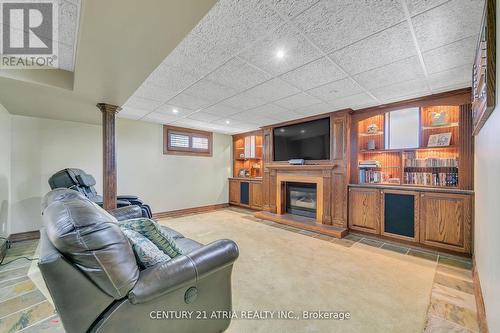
point(414, 188)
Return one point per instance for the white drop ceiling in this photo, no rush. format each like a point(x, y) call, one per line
point(225, 76)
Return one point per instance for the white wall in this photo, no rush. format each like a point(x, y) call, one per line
point(487, 211)
point(5, 156)
point(40, 147)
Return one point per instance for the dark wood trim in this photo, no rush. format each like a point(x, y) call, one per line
point(189, 211)
point(24, 236)
point(109, 154)
point(167, 150)
point(242, 135)
point(478, 293)
point(454, 97)
point(483, 106)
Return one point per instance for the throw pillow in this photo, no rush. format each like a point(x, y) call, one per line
point(152, 231)
point(146, 252)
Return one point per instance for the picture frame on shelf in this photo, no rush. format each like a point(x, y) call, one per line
point(439, 140)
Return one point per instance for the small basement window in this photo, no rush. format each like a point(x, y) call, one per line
point(186, 141)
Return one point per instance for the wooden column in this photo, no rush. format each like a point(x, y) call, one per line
point(109, 154)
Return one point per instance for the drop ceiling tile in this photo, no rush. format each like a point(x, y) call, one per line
point(67, 20)
point(448, 23)
point(222, 110)
point(333, 25)
point(315, 109)
point(456, 77)
point(291, 8)
point(168, 109)
point(400, 90)
point(297, 51)
point(239, 75)
point(380, 49)
point(245, 116)
point(233, 25)
point(418, 6)
point(450, 56)
point(314, 74)
point(297, 101)
point(132, 113)
point(357, 101)
point(210, 91)
point(267, 109)
point(204, 116)
point(159, 118)
point(142, 103)
point(154, 92)
point(399, 71)
point(244, 101)
point(262, 94)
point(232, 122)
point(187, 101)
point(172, 78)
point(66, 57)
point(334, 90)
point(190, 123)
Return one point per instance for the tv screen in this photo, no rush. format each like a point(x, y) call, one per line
point(309, 141)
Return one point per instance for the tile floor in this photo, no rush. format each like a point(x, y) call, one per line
point(452, 306)
point(22, 306)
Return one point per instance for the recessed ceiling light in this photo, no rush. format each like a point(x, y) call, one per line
point(280, 54)
point(228, 122)
point(302, 131)
point(175, 111)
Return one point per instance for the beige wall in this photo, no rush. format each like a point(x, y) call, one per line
point(487, 212)
point(5, 156)
point(41, 147)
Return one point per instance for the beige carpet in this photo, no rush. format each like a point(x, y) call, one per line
point(282, 270)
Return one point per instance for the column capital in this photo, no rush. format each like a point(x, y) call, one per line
point(108, 108)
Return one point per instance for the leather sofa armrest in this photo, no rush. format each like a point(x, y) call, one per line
point(127, 213)
point(183, 270)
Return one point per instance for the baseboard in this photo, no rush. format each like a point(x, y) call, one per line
point(24, 236)
point(478, 293)
point(3, 248)
point(189, 211)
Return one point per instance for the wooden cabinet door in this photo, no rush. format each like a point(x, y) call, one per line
point(364, 209)
point(445, 220)
point(234, 191)
point(256, 195)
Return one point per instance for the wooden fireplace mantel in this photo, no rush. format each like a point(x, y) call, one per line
point(301, 167)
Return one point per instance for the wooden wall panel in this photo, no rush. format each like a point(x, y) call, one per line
point(466, 146)
point(339, 204)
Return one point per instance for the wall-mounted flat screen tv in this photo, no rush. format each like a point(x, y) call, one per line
point(309, 141)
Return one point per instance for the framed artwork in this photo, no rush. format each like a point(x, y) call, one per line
point(484, 72)
point(439, 140)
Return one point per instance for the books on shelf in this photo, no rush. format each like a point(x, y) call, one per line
point(370, 175)
point(431, 172)
point(369, 171)
point(369, 164)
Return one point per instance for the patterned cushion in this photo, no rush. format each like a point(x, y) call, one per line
point(152, 231)
point(146, 252)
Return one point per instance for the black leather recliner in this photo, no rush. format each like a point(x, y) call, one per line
point(92, 275)
point(84, 183)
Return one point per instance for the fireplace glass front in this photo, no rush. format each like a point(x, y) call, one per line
point(301, 199)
